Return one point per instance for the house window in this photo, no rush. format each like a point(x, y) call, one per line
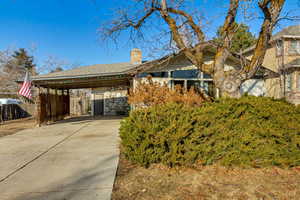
point(294, 47)
point(279, 47)
point(194, 73)
point(195, 84)
point(178, 82)
point(154, 75)
point(298, 82)
point(204, 85)
point(207, 76)
point(288, 82)
point(159, 74)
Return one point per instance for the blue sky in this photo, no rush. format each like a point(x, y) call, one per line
point(67, 29)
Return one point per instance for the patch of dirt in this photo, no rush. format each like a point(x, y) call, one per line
point(209, 182)
point(14, 126)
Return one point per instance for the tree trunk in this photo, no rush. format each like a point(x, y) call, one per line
point(228, 85)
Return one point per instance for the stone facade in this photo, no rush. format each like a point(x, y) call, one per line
point(114, 100)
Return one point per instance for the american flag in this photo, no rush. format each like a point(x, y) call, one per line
point(26, 87)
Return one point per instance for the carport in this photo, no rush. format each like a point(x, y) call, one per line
point(53, 90)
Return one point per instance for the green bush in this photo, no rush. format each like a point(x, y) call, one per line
point(250, 131)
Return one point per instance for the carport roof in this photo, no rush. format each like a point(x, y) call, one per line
point(92, 76)
point(89, 71)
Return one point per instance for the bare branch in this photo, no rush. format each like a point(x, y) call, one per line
point(190, 21)
point(181, 24)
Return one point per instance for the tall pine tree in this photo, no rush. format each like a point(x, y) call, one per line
point(242, 38)
point(23, 60)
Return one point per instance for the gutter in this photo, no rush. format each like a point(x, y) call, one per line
point(291, 36)
point(78, 76)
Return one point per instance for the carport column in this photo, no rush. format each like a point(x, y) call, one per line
point(134, 85)
point(38, 108)
point(93, 102)
point(64, 109)
point(59, 104)
point(63, 104)
point(55, 105)
point(68, 102)
point(48, 105)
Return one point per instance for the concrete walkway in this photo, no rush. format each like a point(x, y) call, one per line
point(69, 160)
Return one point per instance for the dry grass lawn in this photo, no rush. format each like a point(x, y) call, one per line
point(210, 182)
point(11, 127)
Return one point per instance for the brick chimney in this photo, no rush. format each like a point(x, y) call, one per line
point(135, 56)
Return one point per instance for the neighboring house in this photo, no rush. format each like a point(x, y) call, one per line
point(283, 57)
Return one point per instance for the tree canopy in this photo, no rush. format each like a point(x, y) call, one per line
point(242, 38)
point(23, 60)
point(175, 15)
point(57, 69)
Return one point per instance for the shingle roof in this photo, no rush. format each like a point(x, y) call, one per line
point(91, 70)
point(295, 62)
point(290, 31)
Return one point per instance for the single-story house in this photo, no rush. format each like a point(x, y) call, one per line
point(109, 83)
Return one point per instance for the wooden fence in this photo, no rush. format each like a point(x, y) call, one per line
point(52, 107)
point(11, 112)
point(80, 105)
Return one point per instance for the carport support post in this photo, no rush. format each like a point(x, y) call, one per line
point(38, 108)
point(55, 107)
point(62, 105)
point(68, 103)
point(48, 105)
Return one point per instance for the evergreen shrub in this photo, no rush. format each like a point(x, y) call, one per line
point(245, 132)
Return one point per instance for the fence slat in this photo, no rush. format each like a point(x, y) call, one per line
point(11, 112)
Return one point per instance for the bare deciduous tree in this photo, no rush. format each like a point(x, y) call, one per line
point(176, 16)
point(55, 64)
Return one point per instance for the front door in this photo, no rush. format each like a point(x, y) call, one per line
point(98, 105)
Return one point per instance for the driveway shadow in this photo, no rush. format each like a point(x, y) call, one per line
point(83, 187)
point(85, 119)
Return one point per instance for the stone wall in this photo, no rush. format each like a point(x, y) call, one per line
point(115, 100)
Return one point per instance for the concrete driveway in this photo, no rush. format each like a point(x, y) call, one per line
point(73, 159)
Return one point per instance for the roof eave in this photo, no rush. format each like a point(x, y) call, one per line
point(291, 36)
point(77, 76)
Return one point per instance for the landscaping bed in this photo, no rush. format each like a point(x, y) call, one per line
point(247, 148)
point(207, 182)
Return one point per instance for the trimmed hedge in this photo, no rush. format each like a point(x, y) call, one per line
point(246, 132)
